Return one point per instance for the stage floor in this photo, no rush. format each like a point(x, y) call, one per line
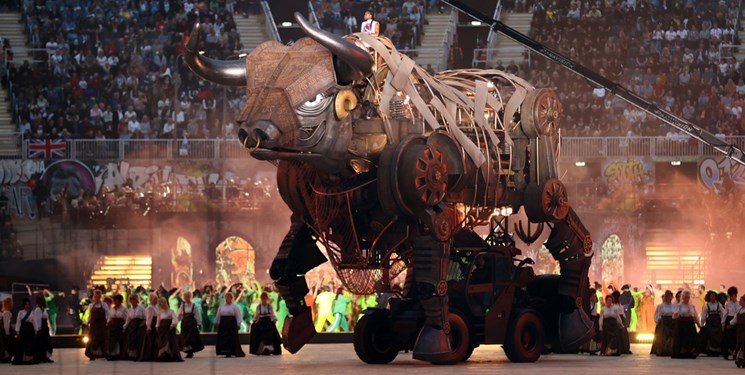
point(340, 359)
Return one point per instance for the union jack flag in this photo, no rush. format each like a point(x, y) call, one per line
point(47, 148)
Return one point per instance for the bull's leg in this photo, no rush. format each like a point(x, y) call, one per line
point(297, 255)
point(570, 244)
point(431, 260)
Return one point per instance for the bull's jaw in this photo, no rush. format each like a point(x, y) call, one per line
point(318, 161)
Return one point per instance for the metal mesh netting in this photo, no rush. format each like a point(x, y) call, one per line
point(331, 213)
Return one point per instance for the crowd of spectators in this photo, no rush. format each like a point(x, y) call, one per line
point(400, 20)
point(10, 247)
point(112, 70)
point(675, 54)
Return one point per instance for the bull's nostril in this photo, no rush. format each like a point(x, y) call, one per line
point(259, 135)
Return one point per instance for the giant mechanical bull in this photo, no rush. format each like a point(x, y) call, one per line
point(384, 165)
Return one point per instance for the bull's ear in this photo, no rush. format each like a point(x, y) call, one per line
point(351, 63)
point(229, 73)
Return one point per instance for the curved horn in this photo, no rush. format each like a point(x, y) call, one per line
point(228, 72)
point(352, 63)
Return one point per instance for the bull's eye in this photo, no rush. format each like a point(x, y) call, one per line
point(315, 106)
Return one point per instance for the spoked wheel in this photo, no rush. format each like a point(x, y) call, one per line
point(524, 339)
point(373, 339)
point(460, 341)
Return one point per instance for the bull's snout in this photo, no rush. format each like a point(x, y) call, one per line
point(261, 134)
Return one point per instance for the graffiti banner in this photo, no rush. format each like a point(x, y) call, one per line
point(628, 174)
point(721, 174)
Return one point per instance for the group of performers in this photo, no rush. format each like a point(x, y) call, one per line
point(149, 334)
point(721, 327)
point(28, 341)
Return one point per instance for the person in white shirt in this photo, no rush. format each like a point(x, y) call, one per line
point(43, 344)
point(712, 317)
point(167, 343)
point(190, 316)
point(26, 328)
point(611, 324)
point(739, 323)
point(662, 346)
point(227, 320)
point(149, 347)
point(684, 338)
point(7, 336)
point(370, 26)
point(134, 329)
point(731, 309)
point(265, 339)
point(97, 318)
point(115, 325)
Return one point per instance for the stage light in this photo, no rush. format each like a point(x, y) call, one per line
point(675, 162)
point(286, 24)
point(240, 56)
point(579, 164)
point(85, 340)
point(644, 337)
point(475, 23)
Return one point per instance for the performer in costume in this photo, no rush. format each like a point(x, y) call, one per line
point(43, 344)
point(686, 320)
point(662, 346)
point(115, 327)
point(611, 324)
point(97, 318)
point(593, 346)
point(646, 311)
point(341, 303)
point(265, 339)
point(26, 327)
point(228, 320)
point(148, 351)
point(190, 316)
point(7, 333)
point(711, 326)
point(134, 329)
point(369, 25)
point(739, 323)
point(167, 343)
point(731, 308)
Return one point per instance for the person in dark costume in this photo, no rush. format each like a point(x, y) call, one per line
point(712, 316)
point(265, 339)
point(739, 323)
point(26, 327)
point(686, 320)
point(228, 320)
point(149, 349)
point(73, 309)
point(115, 327)
point(731, 308)
point(134, 329)
point(43, 344)
point(167, 343)
point(662, 346)
point(97, 318)
point(624, 345)
point(7, 332)
point(190, 316)
point(611, 324)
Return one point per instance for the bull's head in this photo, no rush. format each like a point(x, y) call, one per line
point(298, 97)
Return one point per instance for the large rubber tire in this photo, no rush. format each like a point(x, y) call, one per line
point(373, 340)
point(524, 339)
point(460, 341)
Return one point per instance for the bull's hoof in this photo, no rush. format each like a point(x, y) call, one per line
point(432, 345)
point(575, 329)
point(298, 330)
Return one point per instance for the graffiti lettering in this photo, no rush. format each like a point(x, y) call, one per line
point(628, 173)
point(717, 174)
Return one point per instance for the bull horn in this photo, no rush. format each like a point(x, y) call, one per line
point(227, 72)
point(351, 63)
